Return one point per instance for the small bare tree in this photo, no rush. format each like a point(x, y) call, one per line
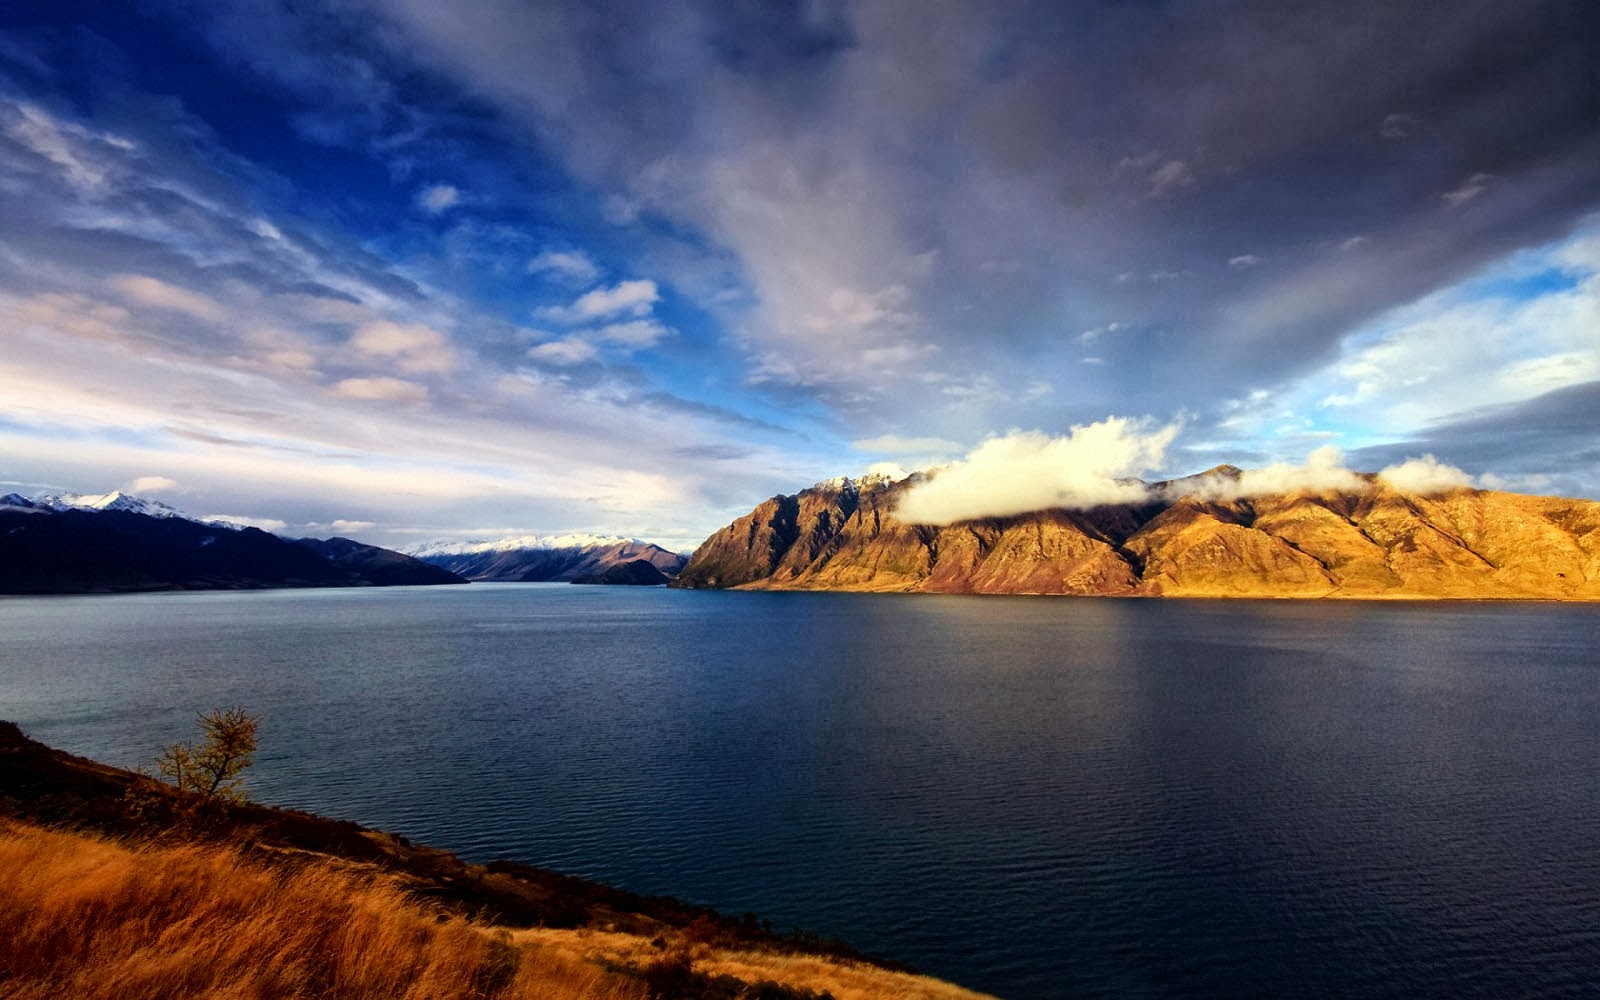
point(212, 769)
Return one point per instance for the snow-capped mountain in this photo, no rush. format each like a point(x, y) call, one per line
point(115, 500)
point(515, 543)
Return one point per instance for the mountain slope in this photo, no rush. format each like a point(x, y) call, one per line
point(380, 567)
point(77, 551)
point(589, 563)
point(1375, 542)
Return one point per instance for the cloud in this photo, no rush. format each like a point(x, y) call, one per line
point(1425, 476)
point(1170, 177)
point(900, 444)
point(343, 526)
point(1028, 470)
point(382, 388)
point(437, 198)
point(634, 334)
point(569, 265)
point(241, 521)
point(1324, 471)
point(1467, 190)
point(1244, 261)
point(151, 292)
point(572, 350)
point(415, 349)
point(152, 484)
point(628, 298)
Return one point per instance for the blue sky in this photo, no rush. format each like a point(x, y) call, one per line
point(408, 270)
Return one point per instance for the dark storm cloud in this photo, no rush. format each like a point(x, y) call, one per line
point(919, 194)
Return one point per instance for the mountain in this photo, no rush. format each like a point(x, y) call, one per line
point(379, 567)
point(115, 500)
point(531, 559)
point(76, 549)
point(1367, 543)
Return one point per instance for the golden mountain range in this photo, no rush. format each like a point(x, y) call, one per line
point(1375, 542)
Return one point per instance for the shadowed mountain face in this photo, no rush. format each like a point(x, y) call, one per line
point(380, 567)
point(585, 564)
point(1377, 542)
point(73, 551)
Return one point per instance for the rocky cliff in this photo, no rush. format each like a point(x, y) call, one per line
point(1373, 542)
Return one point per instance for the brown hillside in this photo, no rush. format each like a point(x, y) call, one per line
point(1376, 542)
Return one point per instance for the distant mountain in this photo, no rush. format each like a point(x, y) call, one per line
point(515, 543)
point(50, 546)
point(590, 561)
point(115, 500)
point(379, 567)
point(1371, 542)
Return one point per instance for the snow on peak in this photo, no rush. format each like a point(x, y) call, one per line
point(115, 500)
point(513, 543)
point(854, 484)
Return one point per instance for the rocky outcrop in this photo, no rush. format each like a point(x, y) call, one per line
point(1371, 542)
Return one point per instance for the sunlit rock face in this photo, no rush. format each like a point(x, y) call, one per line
point(1373, 541)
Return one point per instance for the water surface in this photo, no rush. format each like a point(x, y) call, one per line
point(1036, 797)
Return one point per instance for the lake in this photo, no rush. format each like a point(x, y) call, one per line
point(1036, 797)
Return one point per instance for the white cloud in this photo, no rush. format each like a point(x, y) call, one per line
point(81, 153)
point(382, 388)
point(570, 265)
point(343, 527)
point(636, 334)
point(146, 291)
point(628, 298)
point(414, 348)
point(437, 198)
point(1467, 190)
point(1244, 261)
point(900, 444)
point(572, 350)
point(240, 521)
point(1029, 470)
point(152, 484)
point(1426, 476)
point(1171, 176)
point(1324, 471)
point(1473, 347)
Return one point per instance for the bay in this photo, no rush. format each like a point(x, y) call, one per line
point(1034, 797)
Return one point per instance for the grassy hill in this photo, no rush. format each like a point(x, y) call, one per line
point(114, 888)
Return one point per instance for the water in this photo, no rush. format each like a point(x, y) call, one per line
point(1033, 797)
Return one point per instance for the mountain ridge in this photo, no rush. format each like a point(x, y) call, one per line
point(624, 561)
point(1188, 539)
point(109, 549)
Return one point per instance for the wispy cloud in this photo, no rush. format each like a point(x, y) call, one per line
point(628, 298)
point(569, 265)
point(438, 198)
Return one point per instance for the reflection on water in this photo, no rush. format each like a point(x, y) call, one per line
point(1037, 797)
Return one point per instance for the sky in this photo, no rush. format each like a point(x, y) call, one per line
point(405, 270)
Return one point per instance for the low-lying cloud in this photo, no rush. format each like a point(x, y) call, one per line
point(1426, 476)
point(1324, 471)
point(1024, 471)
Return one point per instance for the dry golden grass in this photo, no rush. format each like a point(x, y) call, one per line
point(90, 918)
point(841, 980)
